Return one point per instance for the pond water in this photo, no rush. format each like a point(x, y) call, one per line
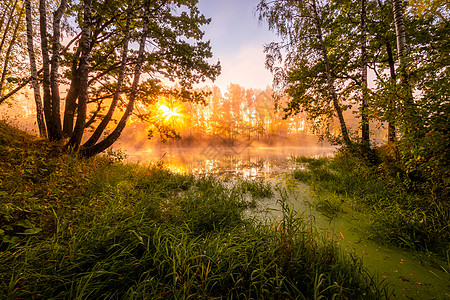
point(411, 275)
point(241, 161)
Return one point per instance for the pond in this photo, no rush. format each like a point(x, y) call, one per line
point(240, 161)
point(411, 275)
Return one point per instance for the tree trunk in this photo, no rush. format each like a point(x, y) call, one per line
point(391, 125)
point(365, 133)
point(46, 72)
point(75, 140)
point(330, 80)
point(72, 96)
point(401, 49)
point(391, 108)
point(8, 52)
point(104, 123)
point(34, 74)
point(56, 114)
point(113, 136)
point(400, 31)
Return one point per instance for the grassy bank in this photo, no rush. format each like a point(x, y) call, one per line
point(403, 210)
point(83, 229)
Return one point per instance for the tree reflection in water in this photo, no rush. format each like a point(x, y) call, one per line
point(244, 162)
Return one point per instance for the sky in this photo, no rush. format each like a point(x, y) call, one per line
point(237, 40)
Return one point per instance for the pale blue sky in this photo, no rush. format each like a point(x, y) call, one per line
point(237, 39)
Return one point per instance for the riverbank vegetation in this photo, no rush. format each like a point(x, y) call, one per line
point(88, 228)
point(408, 209)
point(404, 184)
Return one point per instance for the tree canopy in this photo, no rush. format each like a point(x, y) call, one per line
point(112, 56)
point(328, 46)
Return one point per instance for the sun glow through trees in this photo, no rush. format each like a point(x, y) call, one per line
point(167, 112)
point(170, 112)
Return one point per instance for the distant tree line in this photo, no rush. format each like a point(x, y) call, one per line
point(238, 114)
point(234, 116)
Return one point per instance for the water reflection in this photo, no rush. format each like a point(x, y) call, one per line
point(242, 162)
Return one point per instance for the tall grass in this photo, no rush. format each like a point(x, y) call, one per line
point(86, 229)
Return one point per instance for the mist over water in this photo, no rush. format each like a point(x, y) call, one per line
point(242, 160)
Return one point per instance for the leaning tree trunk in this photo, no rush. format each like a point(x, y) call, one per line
point(113, 136)
point(24, 82)
point(77, 135)
point(365, 134)
point(34, 75)
point(54, 82)
point(102, 126)
point(8, 24)
point(3, 42)
point(2, 18)
point(330, 81)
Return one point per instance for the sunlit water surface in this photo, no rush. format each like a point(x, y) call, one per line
point(231, 162)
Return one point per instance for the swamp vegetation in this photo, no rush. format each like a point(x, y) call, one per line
point(75, 228)
point(398, 224)
point(82, 229)
point(403, 211)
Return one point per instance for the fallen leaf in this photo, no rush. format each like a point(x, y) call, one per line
point(404, 279)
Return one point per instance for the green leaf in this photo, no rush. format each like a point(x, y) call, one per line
point(33, 230)
point(25, 223)
point(10, 239)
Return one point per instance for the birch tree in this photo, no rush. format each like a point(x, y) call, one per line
point(404, 69)
point(33, 69)
point(103, 78)
point(300, 26)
